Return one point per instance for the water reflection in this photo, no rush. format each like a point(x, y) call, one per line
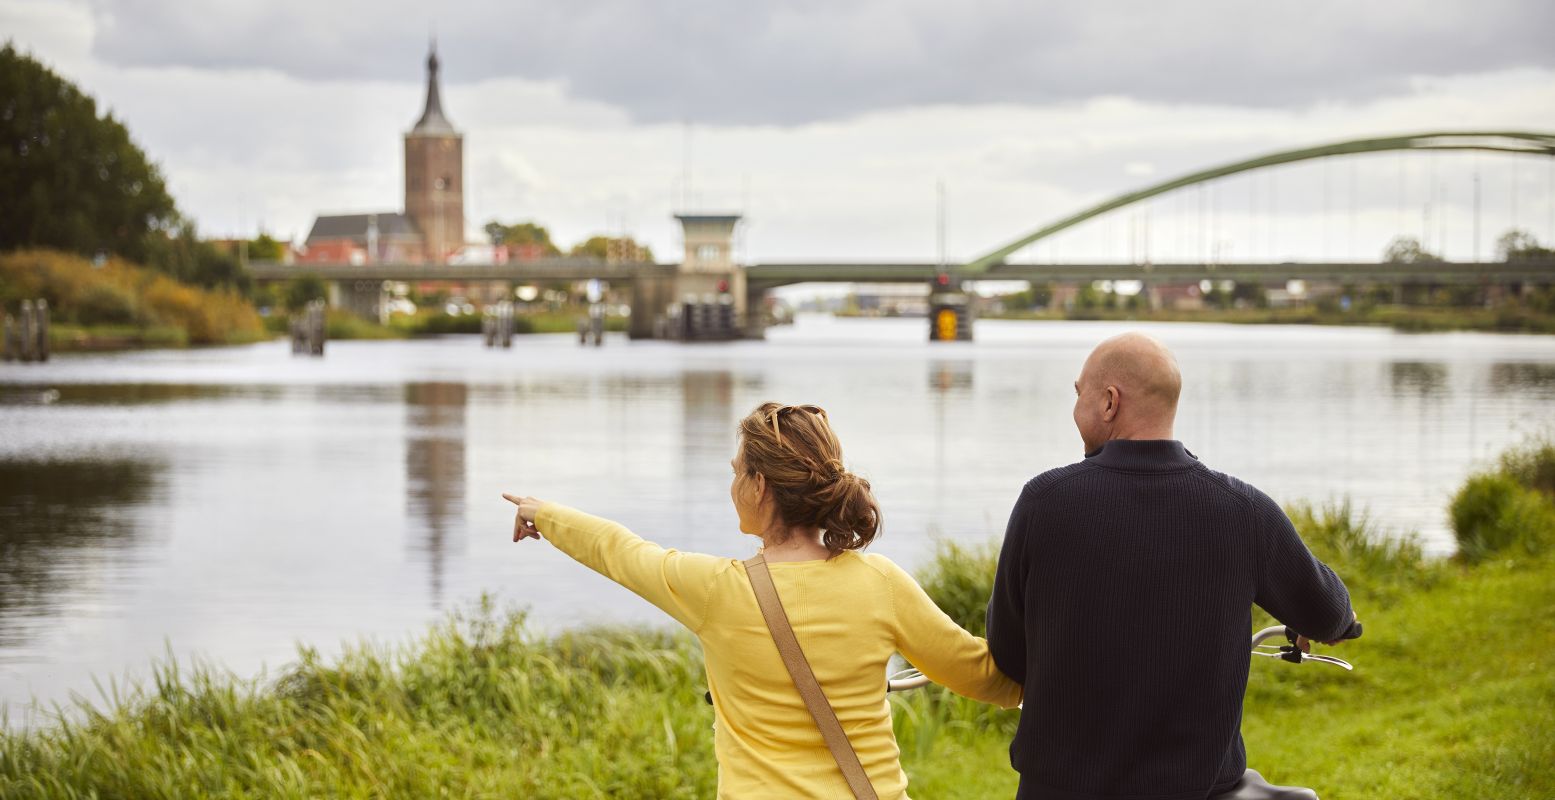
point(1521, 376)
point(708, 427)
point(1425, 379)
point(950, 376)
point(434, 473)
point(57, 520)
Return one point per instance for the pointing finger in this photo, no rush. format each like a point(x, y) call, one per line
point(512, 499)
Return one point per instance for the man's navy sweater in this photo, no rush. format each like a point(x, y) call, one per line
point(1123, 603)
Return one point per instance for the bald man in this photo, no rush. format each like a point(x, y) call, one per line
point(1124, 593)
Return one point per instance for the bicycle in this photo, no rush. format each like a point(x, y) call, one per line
point(1252, 786)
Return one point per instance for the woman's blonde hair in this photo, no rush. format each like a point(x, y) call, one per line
point(795, 449)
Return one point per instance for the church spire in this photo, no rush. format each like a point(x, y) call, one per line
point(432, 122)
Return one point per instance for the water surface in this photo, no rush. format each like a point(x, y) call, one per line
point(229, 503)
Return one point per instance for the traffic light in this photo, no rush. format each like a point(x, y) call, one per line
point(943, 279)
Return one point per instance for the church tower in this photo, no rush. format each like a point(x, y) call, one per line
point(434, 175)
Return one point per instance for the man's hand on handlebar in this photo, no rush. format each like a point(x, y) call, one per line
point(1306, 644)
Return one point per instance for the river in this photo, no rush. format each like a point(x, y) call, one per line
point(231, 503)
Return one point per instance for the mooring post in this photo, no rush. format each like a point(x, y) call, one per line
point(317, 327)
point(10, 348)
point(597, 323)
point(41, 310)
point(26, 331)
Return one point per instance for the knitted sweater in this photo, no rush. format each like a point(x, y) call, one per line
point(1123, 603)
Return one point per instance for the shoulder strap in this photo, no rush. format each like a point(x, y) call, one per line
point(804, 680)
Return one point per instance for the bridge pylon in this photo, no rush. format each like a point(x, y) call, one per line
point(951, 310)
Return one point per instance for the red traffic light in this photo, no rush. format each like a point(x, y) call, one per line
point(723, 287)
point(943, 279)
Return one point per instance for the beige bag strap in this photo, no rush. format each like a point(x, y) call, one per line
point(804, 680)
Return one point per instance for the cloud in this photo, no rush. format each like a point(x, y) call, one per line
point(772, 63)
point(289, 122)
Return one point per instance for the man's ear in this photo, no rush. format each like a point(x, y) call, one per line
point(1112, 403)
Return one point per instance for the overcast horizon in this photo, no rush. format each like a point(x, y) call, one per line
point(830, 126)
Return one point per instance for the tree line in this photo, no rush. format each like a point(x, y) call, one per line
point(538, 237)
point(73, 179)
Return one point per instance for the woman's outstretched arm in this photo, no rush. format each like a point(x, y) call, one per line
point(942, 650)
point(679, 583)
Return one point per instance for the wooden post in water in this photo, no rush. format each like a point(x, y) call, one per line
point(11, 348)
point(26, 331)
point(505, 315)
point(309, 328)
point(41, 310)
point(316, 327)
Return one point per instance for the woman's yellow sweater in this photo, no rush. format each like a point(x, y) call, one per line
point(849, 613)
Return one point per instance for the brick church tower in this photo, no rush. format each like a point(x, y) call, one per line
point(434, 175)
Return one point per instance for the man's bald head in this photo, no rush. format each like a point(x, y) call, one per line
point(1128, 389)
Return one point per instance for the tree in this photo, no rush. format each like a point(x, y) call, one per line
point(522, 234)
point(73, 180)
point(303, 290)
point(1408, 250)
point(266, 248)
point(613, 249)
point(1519, 245)
point(181, 254)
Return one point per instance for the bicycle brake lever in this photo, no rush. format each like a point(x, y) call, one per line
point(1338, 662)
point(1296, 656)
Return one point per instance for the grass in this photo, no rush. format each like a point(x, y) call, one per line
point(1452, 697)
point(345, 325)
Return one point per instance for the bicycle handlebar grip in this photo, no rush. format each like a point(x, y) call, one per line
point(1352, 632)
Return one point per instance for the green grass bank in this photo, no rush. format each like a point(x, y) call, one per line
point(1452, 696)
point(1410, 319)
point(343, 325)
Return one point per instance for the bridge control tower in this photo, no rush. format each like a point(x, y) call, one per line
point(708, 264)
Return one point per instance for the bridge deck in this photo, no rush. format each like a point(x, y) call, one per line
point(763, 276)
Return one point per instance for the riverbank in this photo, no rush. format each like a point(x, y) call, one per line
point(1411, 319)
point(1451, 696)
point(343, 325)
point(119, 305)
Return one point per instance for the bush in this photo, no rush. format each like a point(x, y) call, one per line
point(106, 304)
point(1532, 465)
point(121, 294)
point(1493, 513)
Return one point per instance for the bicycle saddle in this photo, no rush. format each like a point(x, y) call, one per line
point(1254, 787)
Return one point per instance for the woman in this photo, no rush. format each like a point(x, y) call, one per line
point(849, 611)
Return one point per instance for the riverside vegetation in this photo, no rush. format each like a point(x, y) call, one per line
point(116, 304)
point(1452, 696)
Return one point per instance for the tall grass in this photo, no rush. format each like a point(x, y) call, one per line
point(476, 708)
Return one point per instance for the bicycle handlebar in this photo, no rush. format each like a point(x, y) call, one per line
point(913, 679)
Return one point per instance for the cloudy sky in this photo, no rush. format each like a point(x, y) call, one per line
point(830, 124)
